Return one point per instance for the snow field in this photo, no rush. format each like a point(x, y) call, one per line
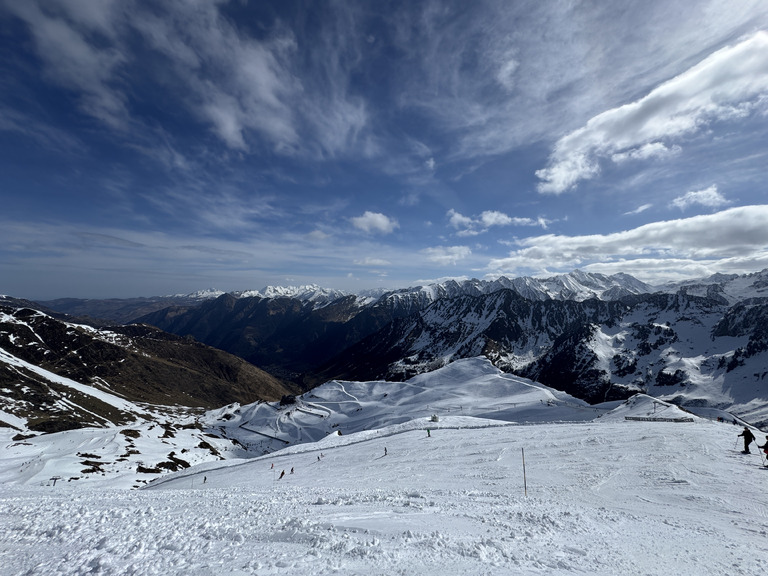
point(604, 497)
point(105, 457)
point(470, 387)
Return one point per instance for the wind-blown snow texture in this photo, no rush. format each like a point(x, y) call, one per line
point(605, 495)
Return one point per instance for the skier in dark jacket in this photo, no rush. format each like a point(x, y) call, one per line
point(764, 447)
point(748, 437)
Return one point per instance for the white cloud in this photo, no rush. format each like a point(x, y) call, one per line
point(506, 73)
point(372, 261)
point(730, 83)
point(653, 150)
point(733, 234)
point(318, 236)
point(445, 255)
point(708, 197)
point(459, 220)
point(494, 218)
point(468, 226)
point(371, 222)
point(639, 210)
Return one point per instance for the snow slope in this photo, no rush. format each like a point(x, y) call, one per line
point(117, 457)
point(602, 496)
point(613, 497)
point(469, 387)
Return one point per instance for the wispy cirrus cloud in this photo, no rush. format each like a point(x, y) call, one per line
point(731, 83)
point(47, 136)
point(62, 34)
point(246, 89)
point(639, 209)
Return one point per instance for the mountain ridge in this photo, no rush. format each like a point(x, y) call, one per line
point(57, 375)
point(576, 285)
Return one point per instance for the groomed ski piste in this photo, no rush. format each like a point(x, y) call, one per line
point(512, 478)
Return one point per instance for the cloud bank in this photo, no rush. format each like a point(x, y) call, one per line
point(737, 237)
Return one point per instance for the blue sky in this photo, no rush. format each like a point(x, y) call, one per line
point(152, 148)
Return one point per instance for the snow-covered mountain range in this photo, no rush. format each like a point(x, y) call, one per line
point(577, 285)
point(595, 337)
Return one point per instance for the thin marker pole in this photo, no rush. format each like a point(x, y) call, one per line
point(525, 482)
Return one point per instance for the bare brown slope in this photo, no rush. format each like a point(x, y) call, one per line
point(139, 363)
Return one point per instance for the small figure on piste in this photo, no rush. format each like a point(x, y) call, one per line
point(748, 438)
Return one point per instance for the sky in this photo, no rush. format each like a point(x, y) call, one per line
point(161, 148)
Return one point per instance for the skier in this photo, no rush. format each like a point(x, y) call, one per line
point(291, 469)
point(385, 451)
point(764, 447)
point(428, 434)
point(281, 475)
point(748, 437)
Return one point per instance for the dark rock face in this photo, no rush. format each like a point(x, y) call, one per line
point(284, 336)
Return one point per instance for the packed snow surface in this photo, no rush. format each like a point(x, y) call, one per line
point(465, 494)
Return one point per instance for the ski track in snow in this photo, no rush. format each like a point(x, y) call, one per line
point(612, 497)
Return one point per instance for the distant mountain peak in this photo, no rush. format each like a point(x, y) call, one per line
point(205, 294)
point(307, 293)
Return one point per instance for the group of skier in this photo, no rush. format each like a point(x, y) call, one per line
point(749, 438)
